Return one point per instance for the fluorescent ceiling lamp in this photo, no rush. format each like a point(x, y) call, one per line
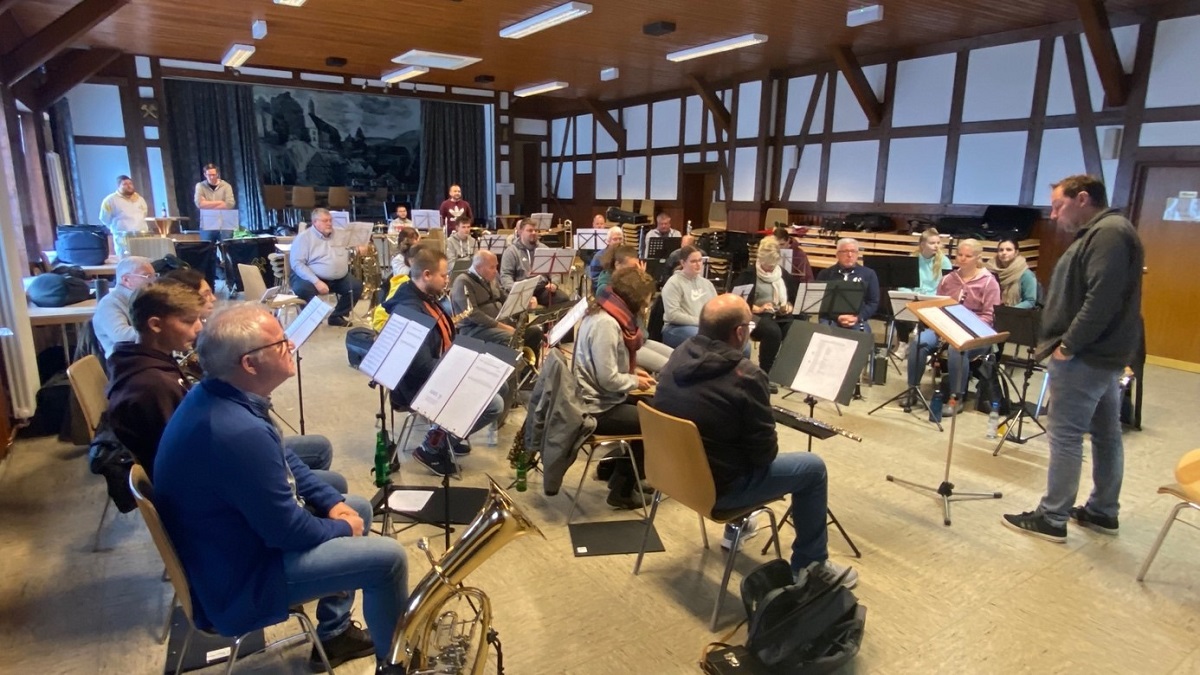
point(535, 89)
point(290, 3)
point(717, 47)
point(237, 55)
point(420, 57)
point(402, 74)
point(547, 19)
point(864, 15)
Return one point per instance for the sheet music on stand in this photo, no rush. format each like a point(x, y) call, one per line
point(744, 291)
point(785, 260)
point(825, 364)
point(542, 220)
point(352, 234)
point(548, 261)
point(822, 361)
point(568, 322)
point(218, 219)
point(808, 297)
point(660, 248)
point(307, 322)
point(591, 239)
point(340, 218)
point(900, 300)
point(956, 324)
point(394, 348)
point(496, 243)
point(518, 298)
point(470, 375)
point(426, 219)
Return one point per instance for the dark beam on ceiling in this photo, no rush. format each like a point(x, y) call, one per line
point(606, 120)
point(48, 42)
point(708, 96)
point(63, 72)
point(848, 64)
point(6, 5)
point(1098, 30)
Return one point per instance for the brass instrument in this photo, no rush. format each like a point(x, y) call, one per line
point(457, 318)
point(365, 268)
point(446, 627)
point(189, 364)
point(517, 341)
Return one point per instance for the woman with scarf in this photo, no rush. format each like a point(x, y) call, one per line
point(606, 348)
point(1018, 286)
point(768, 301)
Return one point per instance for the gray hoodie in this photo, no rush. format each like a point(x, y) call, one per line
point(683, 299)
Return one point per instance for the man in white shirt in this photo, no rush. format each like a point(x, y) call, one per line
point(213, 193)
point(319, 266)
point(400, 221)
point(122, 212)
point(663, 229)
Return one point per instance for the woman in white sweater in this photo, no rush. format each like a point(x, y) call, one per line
point(768, 300)
point(684, 296)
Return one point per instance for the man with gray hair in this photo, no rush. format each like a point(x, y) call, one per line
point(848, 269)
point(319, 266)
point(112, 321)
point(615, 237)
point(479, 289)
point(255, 530)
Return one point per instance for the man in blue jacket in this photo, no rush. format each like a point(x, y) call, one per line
point(255, 530)
point(1091, 326)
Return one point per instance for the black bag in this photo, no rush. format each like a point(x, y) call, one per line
point(358, 343)
point(82, 244)
point(57, 290)
point(108, 457)
point(992, 388)
point(869, 222)
point(53, 406)
point(201, 255)
point(1009, 222)
point(169, 263)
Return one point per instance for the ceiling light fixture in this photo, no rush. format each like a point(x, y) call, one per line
point(402, 74)
point(290, 3)
point(864, 15)
point(258, 29)
point(717, 47)
point(237, 55)
point(427, 59)
point(547, 19)
point(609, 74)
point(535, 89)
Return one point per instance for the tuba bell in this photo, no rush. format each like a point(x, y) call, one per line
point(446, 627)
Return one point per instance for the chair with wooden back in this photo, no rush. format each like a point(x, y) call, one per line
point(678, 468)
point(143, 492)
point(339, 198)
point(718, 216)
point(256, 291)
point(304, 200)
point(775, 218)
point(152, 247)
point(88, 383)
point(1187, 490)
point(274, 201)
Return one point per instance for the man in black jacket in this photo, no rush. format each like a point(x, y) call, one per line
point(479, 289)
point(428, 280)
point(1091, 326)
point(709, 380)
point(848, 269)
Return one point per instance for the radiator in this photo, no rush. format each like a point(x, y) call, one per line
point(16, 340)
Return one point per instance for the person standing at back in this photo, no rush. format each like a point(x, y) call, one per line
point(453, 207)
point(123, 212)
point(213, 193)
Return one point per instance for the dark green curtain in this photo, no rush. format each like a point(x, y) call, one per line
point(453, 152)
point(214, 122)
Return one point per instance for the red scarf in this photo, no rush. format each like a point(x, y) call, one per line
point(631, 334)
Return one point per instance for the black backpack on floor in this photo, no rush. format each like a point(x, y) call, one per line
point(358, 343)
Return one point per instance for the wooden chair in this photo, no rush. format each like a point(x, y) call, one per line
point(590, 446)
point(275, 202)
point(143, 492)
point(678, 468)
point(88, 383)
point(152, 247)
point(718, 216)
point(339, 199)
point(774, 218)
point(1187, 490)
point(647, 208)
point(304, 200)
point(257, 291)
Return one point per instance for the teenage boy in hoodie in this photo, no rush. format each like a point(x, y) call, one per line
point(709, 381)
point(517, 260)
point(683, 296)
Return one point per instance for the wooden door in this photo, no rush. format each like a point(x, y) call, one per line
point(1170, 290)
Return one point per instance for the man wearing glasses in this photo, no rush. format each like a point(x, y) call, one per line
point(112, 322)
point(848, 269)
point(255, 530)
point(710, 381)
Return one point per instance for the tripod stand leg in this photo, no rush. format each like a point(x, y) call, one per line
point(833, 520)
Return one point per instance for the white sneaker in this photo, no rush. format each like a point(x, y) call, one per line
point(830, 572)
point(901, 350)
point(749, 531)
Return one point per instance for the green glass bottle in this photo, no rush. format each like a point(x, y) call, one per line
point(381, 459)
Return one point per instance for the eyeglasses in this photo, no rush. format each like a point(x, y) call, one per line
point(284, 341)
point(750, 325)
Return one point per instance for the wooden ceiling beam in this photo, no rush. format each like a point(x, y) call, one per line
point(708, 96)
point(6, 5)
point(850, 68)
point(63, 72)
point(1098, 30)
point(48, 42)
point(605, 119)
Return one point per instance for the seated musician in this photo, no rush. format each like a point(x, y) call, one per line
point(931, 265)
point(614, 258)
point(255, 530)
point(193, 279)
point(616, 237)
point(977, 290)
point(801, 269)
point(709, 381)
point(606, 360)
point(146, 383)
point(769, 303)
point(683, 296)
point(401, 220)
point(429, 280)
point(848, 269)
point(407, 239)
point(675, 259)
point(460, 245)
point(111, 320)
point(662, 230)
point(320, 267)
point(1018, 285)
point(479, 289)
point(517, 260)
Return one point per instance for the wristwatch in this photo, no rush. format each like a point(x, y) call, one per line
point(1062, 349)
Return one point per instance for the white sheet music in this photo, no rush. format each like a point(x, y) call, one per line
point(568, 322)
point(360, 233)
point(824, 366)
point(409, 501)
point(302, 328)
point(590, 239)
point(542, 220)
point(808, 297)
point(340, 218)
point(426, 219)
point(945, 326)
point(785, 259)
point(743, 291)
point(900, 300)
point(552, 260)
point(393, 351)
point(518, 298)
point(218, 219)
point(496, 243)
point(469, 378)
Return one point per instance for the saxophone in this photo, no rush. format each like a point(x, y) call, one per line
point(446, 627)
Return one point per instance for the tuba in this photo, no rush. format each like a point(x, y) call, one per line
point(365, 267)
point(446, 627)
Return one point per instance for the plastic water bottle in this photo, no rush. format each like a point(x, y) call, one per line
point(993, 420)
point(491, 435)
point(522, 472)
point(935, 407)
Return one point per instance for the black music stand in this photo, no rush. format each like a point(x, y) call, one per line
point(842, 297)
point(911, 392)
point(1023, 326)
point(660, 248)
point(894, 271)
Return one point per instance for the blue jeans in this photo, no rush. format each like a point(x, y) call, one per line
point(1085, 399)
point(348, 290)
point(674, 334)
point(802, 475)
point(332, 571)
point(959, 362)
point(314, 450)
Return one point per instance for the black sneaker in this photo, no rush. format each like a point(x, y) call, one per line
point(353, 643)
point(339, 321)
point(389, 669)
point(1094, 521)
point(434, 460)
point(461, 447)
point(627, 502)
point(1034, 524)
